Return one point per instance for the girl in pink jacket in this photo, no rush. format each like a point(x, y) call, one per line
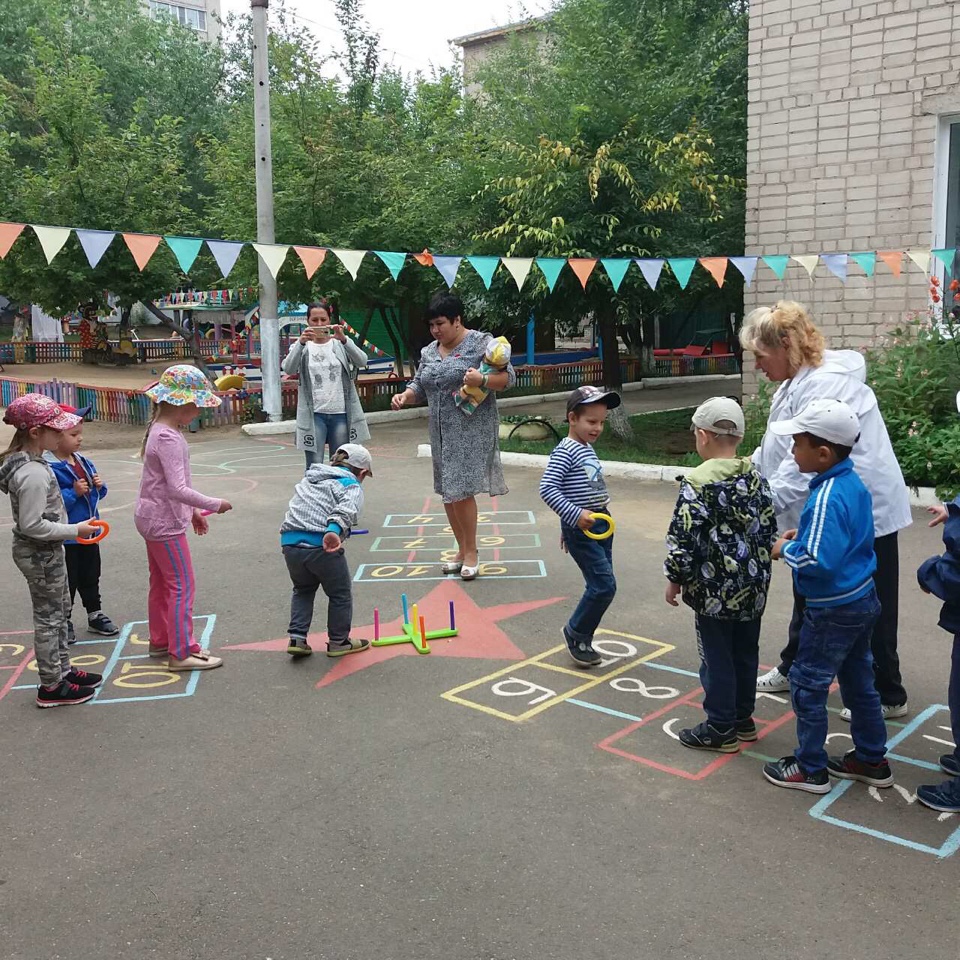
point(166, 505)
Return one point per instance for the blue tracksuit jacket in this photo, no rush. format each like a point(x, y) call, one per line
point(79, 509)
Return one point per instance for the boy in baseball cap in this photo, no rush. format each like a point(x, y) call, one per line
point(832, 559)
point(719, 557)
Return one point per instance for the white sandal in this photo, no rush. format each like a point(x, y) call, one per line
point(453, 567)
point(469, 573)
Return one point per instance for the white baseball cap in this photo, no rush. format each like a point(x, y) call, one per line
point(357, 456)
point(720, 410)
point(830, 420)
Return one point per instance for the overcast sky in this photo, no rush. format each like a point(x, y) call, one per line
point(414, 32)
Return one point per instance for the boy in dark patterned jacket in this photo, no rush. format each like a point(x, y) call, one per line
point(718, 547)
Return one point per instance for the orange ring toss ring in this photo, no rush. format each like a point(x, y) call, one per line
point(611, 526)
point(104, 530)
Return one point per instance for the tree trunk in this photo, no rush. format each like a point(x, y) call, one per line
point(394, 342)
point(188, 337)
point(617, 420)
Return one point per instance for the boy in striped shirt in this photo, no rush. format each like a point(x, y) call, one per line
point(573, 487)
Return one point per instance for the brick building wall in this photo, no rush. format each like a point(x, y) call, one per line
point(845, 100)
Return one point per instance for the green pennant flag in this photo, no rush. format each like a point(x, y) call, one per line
point(185, 249)
point(550, 267)
point(616, 271)
point(867, 261)
point(486, 267)
point(682, 267)
point(947, 256)
point(392, 261)
point(778, 264)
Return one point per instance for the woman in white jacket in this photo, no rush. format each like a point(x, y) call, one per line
point(790, 350)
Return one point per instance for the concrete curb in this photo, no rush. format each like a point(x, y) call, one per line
point(421, 413)
point(663, 473)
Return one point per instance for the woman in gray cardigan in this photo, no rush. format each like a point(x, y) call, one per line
point(328, 407)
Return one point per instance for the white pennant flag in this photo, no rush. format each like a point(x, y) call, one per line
point(651, 271)
point(52, 239)
point(921, 258)
point(225, 252)
point(519, 267)
point(351, 259)
point(95, 243)
point(273, 255)
point(836, 263)
point(747, 266)
point(808, 262)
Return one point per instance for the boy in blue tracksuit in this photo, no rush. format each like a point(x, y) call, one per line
point(832, 559)
point(82, 490)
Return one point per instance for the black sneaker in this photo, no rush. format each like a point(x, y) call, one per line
point(340, 648)
point(299, 648)
point(103, 625)
point(746, 730)
point(786, 772)
point(582, 652)
point(64, 695)
point(950, 765)
point(83, 679)
point(71, 633)
point(705, 736)
point(849, 767)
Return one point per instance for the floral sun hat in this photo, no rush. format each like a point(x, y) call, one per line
point(36, 410)
point(183, 384)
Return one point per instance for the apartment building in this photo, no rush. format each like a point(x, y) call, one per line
point(200, 15)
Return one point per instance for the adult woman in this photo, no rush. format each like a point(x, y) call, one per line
point(790, 350)
point(466, 456)
point(328, 407)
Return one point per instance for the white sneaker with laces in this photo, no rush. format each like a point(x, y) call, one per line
point(889, 711)
point(772, 682)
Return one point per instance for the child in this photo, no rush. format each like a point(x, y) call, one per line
point(941, 577)
point(39, 529)
point(82, 490)
point(719, 555)
point(325, 506)
point(833, 562)
point(574, 488)
point(165, 505)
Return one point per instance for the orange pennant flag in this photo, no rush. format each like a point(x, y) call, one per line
point(716, 266)
point(425, 259)
point(8, 233)
point(142, 246)
point(582, 268)
point(312, 257)
point(892, 258)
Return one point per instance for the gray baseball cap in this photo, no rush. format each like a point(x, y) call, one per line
point(590, 394)
point(357, 456)
point(720, 410)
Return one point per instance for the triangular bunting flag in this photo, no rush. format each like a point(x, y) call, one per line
point(893, 259)
point(185, 249)
point(682, 267)
point(485, 267)
point(425, 259)
point(95, 243)
point(225, 252)
point(392, 261)
point(8, 234)
point(747, 266)
point(550, 267)
point(867, 262)
point(651, 270)
point(351, 259)
point(778, 263)
point(448, 267)
point(273, 255)
point(616, 271)
point(921, 258)
point(836, 263)
point(582, 267)
point(51, 239)
point(808, 261)
point(947, 256)
point(716, 267)
point(143, 246)
point(311, 258)
point(519, 267)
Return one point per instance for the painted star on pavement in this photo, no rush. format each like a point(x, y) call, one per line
point(479, 636)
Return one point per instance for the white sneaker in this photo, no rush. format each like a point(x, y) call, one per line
point(772, 682)
point(203, 660)
point(889, 712)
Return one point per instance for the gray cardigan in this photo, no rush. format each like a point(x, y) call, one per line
point(352, 360)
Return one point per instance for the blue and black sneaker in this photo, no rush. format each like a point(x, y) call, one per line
point(582, 652)
point(944, 797)
point(705, 736)
point(950, 765)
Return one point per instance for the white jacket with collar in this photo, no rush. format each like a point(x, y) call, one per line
point(841, 376)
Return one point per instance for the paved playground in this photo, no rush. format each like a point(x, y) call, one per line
point(485, 802)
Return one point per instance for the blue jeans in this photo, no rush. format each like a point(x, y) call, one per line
point(729, 658)
point(953, 694)
point(595, 560)
point(835, 642)
point(328, 429)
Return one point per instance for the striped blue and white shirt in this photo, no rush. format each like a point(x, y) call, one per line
point(573, 481)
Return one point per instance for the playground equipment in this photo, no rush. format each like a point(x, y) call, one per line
point(104, 531)
point(611, 526)
point(230, 381)
point(414, 629)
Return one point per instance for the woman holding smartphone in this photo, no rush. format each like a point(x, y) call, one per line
point(328, 406)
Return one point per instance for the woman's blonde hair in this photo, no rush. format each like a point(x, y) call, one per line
point(789, 325)
point(146, 433)
point(17, 443)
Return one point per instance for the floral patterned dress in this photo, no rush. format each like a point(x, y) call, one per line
point(466, 454)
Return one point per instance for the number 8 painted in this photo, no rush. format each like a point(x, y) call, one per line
point(654, 693)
